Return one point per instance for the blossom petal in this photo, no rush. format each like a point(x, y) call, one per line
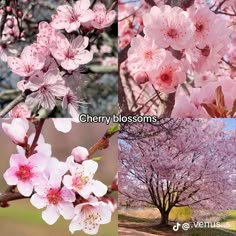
point(50, 215)
point(98, 188)
point(38, 201)
point(66, 209)
point(10, 176)
point(25, 188)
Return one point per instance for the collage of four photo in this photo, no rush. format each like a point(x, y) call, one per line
point(118, 117)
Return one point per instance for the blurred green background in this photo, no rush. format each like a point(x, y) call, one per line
point(21, 218)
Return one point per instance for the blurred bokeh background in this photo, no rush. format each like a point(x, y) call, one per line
point(21, 218)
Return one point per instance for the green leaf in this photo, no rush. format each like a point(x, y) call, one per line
point(97, 159)
point(112, 130)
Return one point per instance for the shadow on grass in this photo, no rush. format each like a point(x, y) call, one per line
point(152, 226)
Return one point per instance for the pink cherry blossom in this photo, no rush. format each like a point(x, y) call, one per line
point(20, 111)
point(205, 56)
point(168, 75)
point(28, 63)
point(46, 87)
point(102, 17)
point(203, 19)
point(71, 56)
point(80, 154)
point(70, 17)
point(25, 173)
point(144, 54)
point(161, 26)
point(89, 215)
point(81, 178)
point(57, 200)
point(44, 38)
point(17, 131)
point(184, 109)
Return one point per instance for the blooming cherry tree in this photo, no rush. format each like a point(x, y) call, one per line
point(176, 163)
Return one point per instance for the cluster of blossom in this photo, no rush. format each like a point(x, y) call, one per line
point(62, 188)
point(61, 48)
point(187, 56)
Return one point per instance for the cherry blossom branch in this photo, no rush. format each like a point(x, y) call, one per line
point(9, 196)
point(5, 3)
point(15, 102)
point(103, 142)
point(38, 128)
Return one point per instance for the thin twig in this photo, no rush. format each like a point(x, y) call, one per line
point(15, 102)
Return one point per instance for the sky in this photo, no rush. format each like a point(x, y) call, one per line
point(230, 123)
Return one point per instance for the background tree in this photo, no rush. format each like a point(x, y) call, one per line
point(194, 165)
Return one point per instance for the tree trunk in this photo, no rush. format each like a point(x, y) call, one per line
point(164, 217)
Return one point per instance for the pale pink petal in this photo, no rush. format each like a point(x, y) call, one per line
point(10, 176)
point(38, 201)
point(88, 16)
point(25, 188)
point(67, 195)
point(98, 188)
point(18, 159)
point(62, 124)
point(70, 64)
point(110, 18)
point(91, 228)
point(90, 166)
point(80, 43)
point(67, 181)
point(66, 209)
point(82, 5)
point(55, 179)
point(50, 215)
point(105, 213)
point(72, 26)
point(17, 66)
point(39, 161)
point(76, 224)
point(83, 57)
point(85, 191)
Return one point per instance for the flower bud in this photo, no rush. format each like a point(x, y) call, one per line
point(80, 154)
point(17, 131)
point(141, 77)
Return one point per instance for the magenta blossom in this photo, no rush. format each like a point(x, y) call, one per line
point(25, 173)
